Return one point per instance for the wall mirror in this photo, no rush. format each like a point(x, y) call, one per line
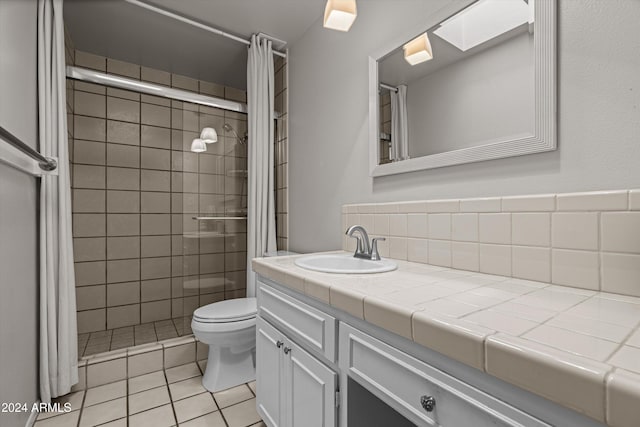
point(475, 82)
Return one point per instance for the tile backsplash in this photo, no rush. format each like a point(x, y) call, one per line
point(587, 240)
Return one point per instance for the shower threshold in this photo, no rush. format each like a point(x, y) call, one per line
point(93, 343)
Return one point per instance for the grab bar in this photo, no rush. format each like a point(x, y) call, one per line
point(45, 163)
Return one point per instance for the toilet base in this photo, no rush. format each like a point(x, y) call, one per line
point(226, 369)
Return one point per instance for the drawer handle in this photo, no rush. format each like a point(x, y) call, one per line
point(279, 344)
point(428, 403)
point(287, 350)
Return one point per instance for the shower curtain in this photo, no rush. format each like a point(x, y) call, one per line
point(399, 125)
point(261, 220)
point(58, 330)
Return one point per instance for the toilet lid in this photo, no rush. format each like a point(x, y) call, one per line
point(231, 310)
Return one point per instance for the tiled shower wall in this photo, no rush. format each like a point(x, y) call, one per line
point(281, 160)
point(585, 240)
point(140, 256)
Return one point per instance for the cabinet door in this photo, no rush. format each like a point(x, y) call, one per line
point(311, 390)
point(269, 373)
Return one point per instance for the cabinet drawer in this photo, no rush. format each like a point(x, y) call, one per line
point(306, 325)
point(402, 380)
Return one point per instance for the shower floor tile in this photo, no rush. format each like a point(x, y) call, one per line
point(235, 407)
point(115, 339)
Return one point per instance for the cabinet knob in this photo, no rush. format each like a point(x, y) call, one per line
point(428, 403)
point(279, 344)
point(287, 350)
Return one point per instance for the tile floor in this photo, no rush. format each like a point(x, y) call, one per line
point(115, 339)
point(173, 397)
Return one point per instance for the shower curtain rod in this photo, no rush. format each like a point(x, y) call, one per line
point(200, 25)
point(154, 89)
point(386, 86)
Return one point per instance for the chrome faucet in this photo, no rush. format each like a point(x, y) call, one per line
point(363, 248)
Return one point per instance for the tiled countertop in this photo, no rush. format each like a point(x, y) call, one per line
point(576, 347)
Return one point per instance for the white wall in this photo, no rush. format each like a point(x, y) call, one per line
point(18, 213)
point(598, 104)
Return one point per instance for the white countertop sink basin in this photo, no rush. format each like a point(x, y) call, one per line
point(344, 264)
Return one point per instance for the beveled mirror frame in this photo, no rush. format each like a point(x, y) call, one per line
point(544, 134)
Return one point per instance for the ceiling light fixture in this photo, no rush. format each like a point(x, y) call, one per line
point(198, 146)
point(418, 50)
point(340, 14)
point(483, 21)
point(209, 135)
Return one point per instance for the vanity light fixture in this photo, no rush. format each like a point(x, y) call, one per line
point(198, 145)
point(340, 14)
point(418, 50)
point(485, 20)
point(209, 135)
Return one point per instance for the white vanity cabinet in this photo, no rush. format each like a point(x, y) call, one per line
point(299, 373)
point(294, 388)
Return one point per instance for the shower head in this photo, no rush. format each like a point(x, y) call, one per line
point(228, 128)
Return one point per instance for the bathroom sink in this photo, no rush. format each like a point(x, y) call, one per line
point(344, 264)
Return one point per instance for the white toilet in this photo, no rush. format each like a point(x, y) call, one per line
point(229, 328)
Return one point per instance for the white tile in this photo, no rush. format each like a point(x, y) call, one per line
point(576, 383)
point(448, 307)
point(73, 399)
point(439, 226)
point(621, 232)
point(623, 395)
point(634, 339)
point(572, 342)
point(213, 419)
point(386, 208)
point(439, 252)
point(148, 399)
point(398, 248)
point(232, 395)
point(242, 414)
point(417, 250)
point(591, 327)
point(443, 206)
point(501, 322)
point(106, 372)
point(105, 393)
point(575, 230)
point(157, 417)
point(186, 388)
point(495, 228)
point(381, 224)
point(634, 200)
point(531, 263)
point(144, 363)
point(193, 407)
point(104, 412)
point(464, 227)
point(552, 299)
point(593, 201)
point(146, 382)
point(412, 207)
point(390, 316)
point(62, 420)
point(536, 203)
point(417, 225)
point(531, 229)
point(575, 268)
point(492, 204)
point(536, 314)
point(608, 310)
point(495, 259)
point(179, 354)
point(627, 358)
point(183, 372)
point(465, 256)
point(620, 273)
point(398, 225)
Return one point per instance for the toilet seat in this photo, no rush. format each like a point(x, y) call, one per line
point(233, 310)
